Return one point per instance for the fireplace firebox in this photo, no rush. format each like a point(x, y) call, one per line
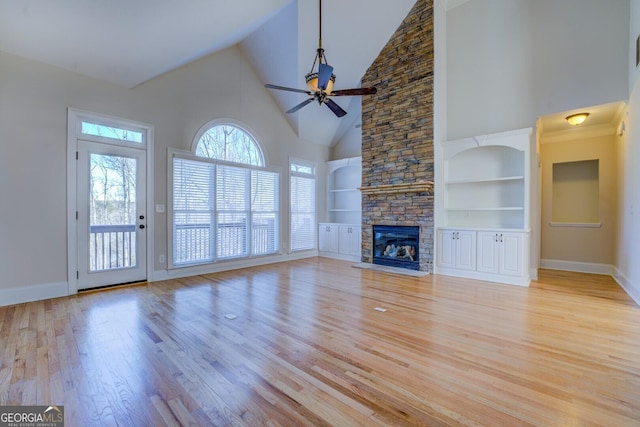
point(396, 246)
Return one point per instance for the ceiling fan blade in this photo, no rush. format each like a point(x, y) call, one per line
point(299, 106)
point(353, 92)
point(290, 89)
point(337, 110)
point(324, 75)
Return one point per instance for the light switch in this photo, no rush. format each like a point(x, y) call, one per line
point(159, 208)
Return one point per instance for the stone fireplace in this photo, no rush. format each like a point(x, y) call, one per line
point(397, 137)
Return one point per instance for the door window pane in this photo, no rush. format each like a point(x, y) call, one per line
point(112, 212)
point(112, 132)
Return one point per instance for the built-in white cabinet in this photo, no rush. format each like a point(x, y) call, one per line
point(493, 255)
point(342, 241)
point(457, 249)
point(328, 238)
point(350, 238)
point(341, 237)
point(501, 253)
point(484, 189)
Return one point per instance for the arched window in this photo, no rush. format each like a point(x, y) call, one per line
point(224, 141)
point(220, 210)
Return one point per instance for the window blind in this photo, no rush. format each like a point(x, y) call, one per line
point(223, 211)
point(232, 211)
point(303, 210)
point(264, 212)
point(192, 211)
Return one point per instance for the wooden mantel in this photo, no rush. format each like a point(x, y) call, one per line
point(413, 187)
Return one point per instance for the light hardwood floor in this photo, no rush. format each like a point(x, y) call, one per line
point(309, 348)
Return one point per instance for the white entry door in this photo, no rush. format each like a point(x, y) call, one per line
point(111, 214)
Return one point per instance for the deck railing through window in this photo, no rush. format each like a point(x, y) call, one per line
point(192, 242)
point(112, 246)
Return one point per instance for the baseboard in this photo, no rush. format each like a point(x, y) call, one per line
point(633, 290)
point(30, 293)
point(177, 273)
point(353, 258)
point(486, 277)
point(579, 267)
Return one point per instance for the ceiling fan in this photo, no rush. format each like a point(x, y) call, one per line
point(320, 83)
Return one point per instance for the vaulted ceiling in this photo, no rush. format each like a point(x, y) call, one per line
point(129, 42)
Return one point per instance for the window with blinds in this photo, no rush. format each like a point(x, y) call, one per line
point(302, 205)
point(193, 211)
point(222, 211)
point(265, 204)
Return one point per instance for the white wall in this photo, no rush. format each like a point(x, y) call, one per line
point(511, 61)
point(489, 67)
point(350, 145)
point(33, 171)
point(33, 115)
point(628, 238)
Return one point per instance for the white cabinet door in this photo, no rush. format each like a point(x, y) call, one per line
point(350, 239)
point(500, 253)
point(488, 248)
point(466, 250)
point(511, 254)
point(328, 238)
point(446, 248)
point(494, 255)
point(457, 249)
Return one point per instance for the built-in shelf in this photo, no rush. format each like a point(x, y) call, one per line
point(576, 224)
point(487, 180)
point(344, 201)
point(483, 204)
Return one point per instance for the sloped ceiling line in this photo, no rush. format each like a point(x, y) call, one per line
point(128, 43)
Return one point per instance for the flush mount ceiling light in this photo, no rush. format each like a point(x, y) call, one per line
point(577, 119)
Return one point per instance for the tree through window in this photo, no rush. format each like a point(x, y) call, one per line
point(230, 143)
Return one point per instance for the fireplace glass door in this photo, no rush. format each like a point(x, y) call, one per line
point(396, 246)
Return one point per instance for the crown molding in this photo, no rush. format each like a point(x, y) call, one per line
point(574, 134)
